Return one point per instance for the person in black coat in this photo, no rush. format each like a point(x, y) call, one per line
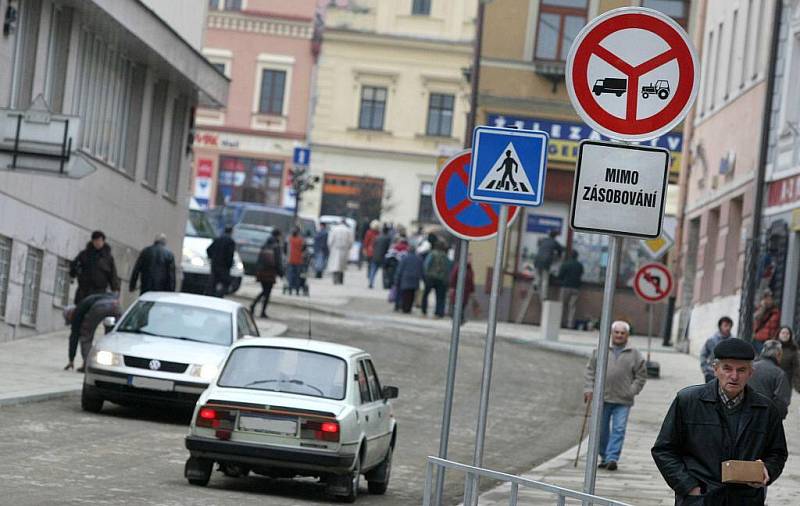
point(724, 419)
point(84, 319)
point(156, 265)
point(220, 254)
point(95, 268)
point(268, 268)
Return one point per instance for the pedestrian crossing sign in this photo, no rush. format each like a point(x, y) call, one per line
point(508, 166)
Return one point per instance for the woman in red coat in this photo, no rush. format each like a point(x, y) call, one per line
point(766, 321)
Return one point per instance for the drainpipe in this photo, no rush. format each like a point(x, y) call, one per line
point(748, 300)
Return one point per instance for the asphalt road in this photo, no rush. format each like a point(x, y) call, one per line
point(53, 453)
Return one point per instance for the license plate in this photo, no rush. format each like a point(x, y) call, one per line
point(282, 426)
point(151, 383)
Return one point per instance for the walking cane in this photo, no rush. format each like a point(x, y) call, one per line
point(583, 431)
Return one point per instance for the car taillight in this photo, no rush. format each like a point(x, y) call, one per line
point(207, 414)
point(323, 431)
point(221, 420)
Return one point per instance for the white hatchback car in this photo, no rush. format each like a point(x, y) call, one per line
point(165, 349)
point(283, 407)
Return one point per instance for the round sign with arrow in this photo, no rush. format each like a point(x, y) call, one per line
point(653, 282)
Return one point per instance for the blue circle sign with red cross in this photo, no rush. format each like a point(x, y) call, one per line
point(464, 218)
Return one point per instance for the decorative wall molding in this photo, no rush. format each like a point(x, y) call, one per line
point(266, 26)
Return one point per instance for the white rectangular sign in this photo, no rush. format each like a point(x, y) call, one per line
point(619, 189)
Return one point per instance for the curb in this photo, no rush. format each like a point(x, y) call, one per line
point(48, 395)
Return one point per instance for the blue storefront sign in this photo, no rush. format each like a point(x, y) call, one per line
point(543, 224)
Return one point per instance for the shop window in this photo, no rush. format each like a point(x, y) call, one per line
point(273, 84)
point(61, 288)
point(421, 7)
point(426, 214)
point(559, 24)
point(440, 114)
point(373, 107)
point(676, 9)
point(156, 133)
point(5, 268)
point(249, 180)
point(30, 286)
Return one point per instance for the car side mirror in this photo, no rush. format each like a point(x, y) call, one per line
point(390, 392)
point(109, 322)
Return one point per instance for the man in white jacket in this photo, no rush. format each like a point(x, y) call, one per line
point(340, 240)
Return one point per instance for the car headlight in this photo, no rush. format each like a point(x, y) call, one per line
point(107, 358)
point(205, 371)
point(192, 258)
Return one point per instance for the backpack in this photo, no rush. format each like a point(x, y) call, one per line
point(437, 268)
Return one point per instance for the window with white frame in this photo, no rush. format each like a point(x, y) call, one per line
point(109, 95)
point(5, 268)
point(373, 108)
point(61, 288)
point(440, 114)
point(156, 132)
point(30, 15)
point(30, 286)
point(273, 87)
point(176, 138)
point(57, 56)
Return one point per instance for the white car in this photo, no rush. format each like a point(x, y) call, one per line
point(165, 349)
point(283, 407)
point(195, 266)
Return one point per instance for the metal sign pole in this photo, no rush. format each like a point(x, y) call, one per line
point(458, 311)
point(615, 247)
point(471, 491)
point(650, 309)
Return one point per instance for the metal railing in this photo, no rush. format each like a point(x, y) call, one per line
point(561, 494)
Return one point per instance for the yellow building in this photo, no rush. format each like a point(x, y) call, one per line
point(525, 45)
point(391, 98)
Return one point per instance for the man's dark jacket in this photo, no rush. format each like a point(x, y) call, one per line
point(770, 381)
point(95, 270)
point(87, 316)
point(694, 441)
point(380, 247)
point(156, 265)
point(220, 253)
point(570, 273)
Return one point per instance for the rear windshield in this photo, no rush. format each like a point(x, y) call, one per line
point(285, 370)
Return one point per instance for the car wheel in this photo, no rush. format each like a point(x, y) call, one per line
point(234, 470)
point(378, 478)
point(198, 471)
point(663, 94)
point(91, 402)
point(353, 483)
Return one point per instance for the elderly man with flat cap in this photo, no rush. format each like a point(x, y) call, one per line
point(724, 419)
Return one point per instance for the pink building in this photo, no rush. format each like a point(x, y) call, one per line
point(243, 151)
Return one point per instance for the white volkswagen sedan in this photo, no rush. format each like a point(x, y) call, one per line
point(165, 349)
point(284, 407)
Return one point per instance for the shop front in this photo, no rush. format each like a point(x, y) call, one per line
point(778, 266)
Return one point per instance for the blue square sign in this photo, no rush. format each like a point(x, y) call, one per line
point(508, 166)
point(302, 156)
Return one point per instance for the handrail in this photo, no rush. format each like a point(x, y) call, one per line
point(516, 481)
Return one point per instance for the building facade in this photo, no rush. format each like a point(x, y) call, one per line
point(128, 80)
point(525, 46)
point(718, 187)
point(391, 103)
point(243, 151)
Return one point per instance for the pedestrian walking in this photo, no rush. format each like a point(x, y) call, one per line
point(84, 319)
point(268, 268)
point(766, 321)
point(340, 240)
point(469, 288)
point(790, 361)
point(626, 375)
point(548, 251)
point(724, 419)
point(436, 268)
point(397, 252)
point(296, 245)
point(409, 274)
point(368, 246)
point(95, 268)
point(769, 379)
point(724, 326)
point(570, 275)
point(220, 254)
point(379, 249)
point(156, 266)
point(321, 251)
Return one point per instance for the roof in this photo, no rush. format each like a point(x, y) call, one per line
point(188, 299)
point(338, 350)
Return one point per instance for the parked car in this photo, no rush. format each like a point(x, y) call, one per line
point(284, 407)
point(249, 213)
point(195, 266)
point(165, 349)
point(610, 85)
point(249, 240)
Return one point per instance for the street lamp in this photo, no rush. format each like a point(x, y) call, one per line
point(302, 181)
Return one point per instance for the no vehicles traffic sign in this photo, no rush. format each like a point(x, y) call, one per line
point(632, 74)
point(619, 189)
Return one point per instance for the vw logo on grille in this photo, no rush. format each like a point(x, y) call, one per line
point(154, 365)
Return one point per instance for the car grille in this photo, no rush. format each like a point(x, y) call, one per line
point(144, 363)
